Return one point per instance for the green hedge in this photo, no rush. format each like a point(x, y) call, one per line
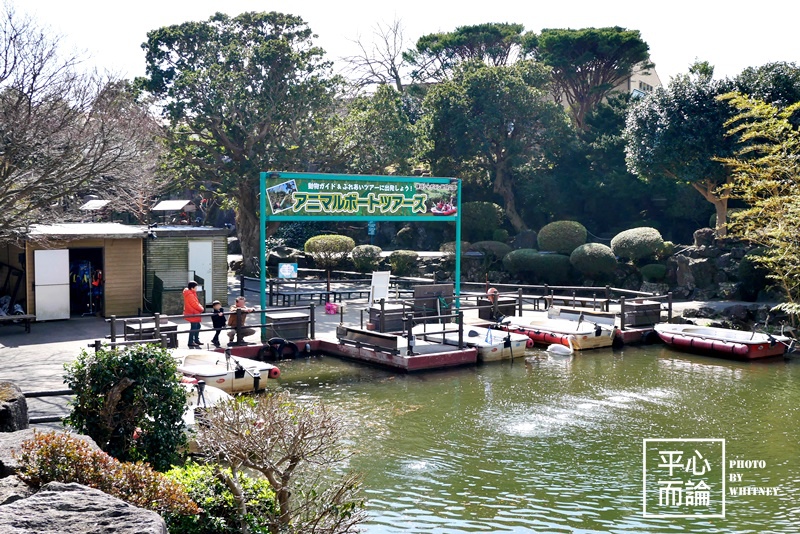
point(533, 267)
point(328, 250)
point(479, 220)
point(366, 258)
point(653, 272)
point(637, 243)
point(403, 262)
point(494, 248)
point(593, 259)
point(561, 236)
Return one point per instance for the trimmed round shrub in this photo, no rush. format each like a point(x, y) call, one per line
point(366, 258)
point(500, 235)
point(752, 275)
point(637, 243)
point(653, 272)
point(667, 250)
point(494, 248)
point(403, 262)
point(450, 247)
point(525, 239)
point(534, 267)
point(593, 259)
point(328, 250)
point(561, 236)
point(479, 220)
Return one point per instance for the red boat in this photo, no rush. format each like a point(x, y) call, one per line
point(446, 210)
point(722, 342)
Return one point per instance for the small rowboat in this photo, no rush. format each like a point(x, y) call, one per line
point(722, 342)
point(228, 373)
point(580, 335)
point(491, 345)
point(444, 211)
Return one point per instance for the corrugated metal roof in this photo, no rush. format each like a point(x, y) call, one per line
point(99, 229)
point(95, 205)
point(174, 205)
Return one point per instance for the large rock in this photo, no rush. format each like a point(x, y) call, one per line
point(525, 239)
point(11, 441)
point(683, 274)
point(13, 489)
point(13, 408)
point(704, 237)
point(73, 508)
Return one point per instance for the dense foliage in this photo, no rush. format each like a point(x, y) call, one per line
point(205, 486)
point(130, 402)
point(653, 272)
point(403, 262)
point(637, 243)
point(593, 260)
point(329, 250)
point(480, 219)
point(561, 236)
point(533, 267)
point(58, 457)
point(366, 258)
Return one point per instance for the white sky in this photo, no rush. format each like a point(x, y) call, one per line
point(727, 34)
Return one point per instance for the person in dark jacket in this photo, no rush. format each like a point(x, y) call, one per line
point(217, 320)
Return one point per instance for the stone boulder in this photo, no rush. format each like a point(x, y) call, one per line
point(77, 509)
point(11, 441)
point(704, 237)
point(13, 408)
point(286, 255)
point(525, 239)
point(13, 489)
point(234, 246)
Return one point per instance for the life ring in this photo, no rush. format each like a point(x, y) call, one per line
point(275, 349)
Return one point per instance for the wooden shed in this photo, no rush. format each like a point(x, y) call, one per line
point(75, 269)
point(176, 254)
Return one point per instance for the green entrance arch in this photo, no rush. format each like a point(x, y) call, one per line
point(293, 196)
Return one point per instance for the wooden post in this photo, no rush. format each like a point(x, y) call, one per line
point(271, 290)
point(622, 313)
point(239, 317)
point(382, 322)
point(669, 306)
point(519, 300)
point(594, 301)
point(157, 318)
point(409, 323)
point(460, 330)
point(608, 292)
point(241, 285)
point(113, 328)
point(312, 320)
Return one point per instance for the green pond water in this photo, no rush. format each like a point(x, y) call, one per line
point(555, 444)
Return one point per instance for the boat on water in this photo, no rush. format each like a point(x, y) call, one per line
point(722, 342)
point(199, 397)
point(229, 373)
point(490, 344)
point(578, 335)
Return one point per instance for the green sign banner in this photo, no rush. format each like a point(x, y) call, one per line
point(299, 196)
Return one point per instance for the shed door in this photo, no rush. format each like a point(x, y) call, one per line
point(200, 260)
point(51, 281)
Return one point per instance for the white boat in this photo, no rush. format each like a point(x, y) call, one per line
point(228, 373)
point(579, 335)
point(199, 397)
point(723, 342)
point(491, 345)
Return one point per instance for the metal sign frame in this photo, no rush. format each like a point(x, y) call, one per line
point(352, 178)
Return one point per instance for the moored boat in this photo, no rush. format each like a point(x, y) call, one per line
point(491, 345)
point(199, 397)
point(228, 373)
point(580, 335)
point(722, 342)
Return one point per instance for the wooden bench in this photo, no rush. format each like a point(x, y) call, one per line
point(291, 297)
point(18, 320)
point(601, 304)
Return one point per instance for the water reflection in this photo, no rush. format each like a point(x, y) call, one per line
point(553, 444)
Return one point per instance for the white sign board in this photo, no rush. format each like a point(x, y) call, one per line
point(287, 270)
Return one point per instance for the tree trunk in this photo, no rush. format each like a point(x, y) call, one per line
point(720, 202)
point(503, 187)
point(248, 227)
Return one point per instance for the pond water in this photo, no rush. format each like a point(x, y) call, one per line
point(554, 444)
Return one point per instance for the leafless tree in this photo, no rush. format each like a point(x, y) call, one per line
point(61, 130)
point(296, 447)
point(380, 62)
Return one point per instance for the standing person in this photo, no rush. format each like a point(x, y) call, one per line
point(240, 304)
point(218, 320)
point(191, 310)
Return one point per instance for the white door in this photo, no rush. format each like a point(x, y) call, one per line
point(200, 260)
point(51, 281)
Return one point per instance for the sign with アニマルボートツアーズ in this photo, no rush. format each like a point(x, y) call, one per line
point(296, 195)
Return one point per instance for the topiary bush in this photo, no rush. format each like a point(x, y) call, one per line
point(653, 272)
point(130, 402)
point(450, 247)
point(219, 512)
point(58, 457)
point(494, 248)
point(403, 262)
point(366, 258)
point(593, 260)
point(666, 250)
point(329, 250)
point(561, 236)
point(534, 267)
point(500, 235)
point(637, 243)
point(479, 220)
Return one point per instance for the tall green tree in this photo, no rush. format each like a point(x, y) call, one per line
point(242, 94)
point(587, 64)
point(488, 121)
point(496, 44)
point(766, 171)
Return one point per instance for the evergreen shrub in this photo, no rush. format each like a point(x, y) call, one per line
point(366, 258)
point(593, 259)
point(479, 220)
point(637, 243)
point(534, 267)
point(561, 236)
point(403, 262)
point(653, 272)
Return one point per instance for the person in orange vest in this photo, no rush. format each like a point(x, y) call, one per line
point(191, 310)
